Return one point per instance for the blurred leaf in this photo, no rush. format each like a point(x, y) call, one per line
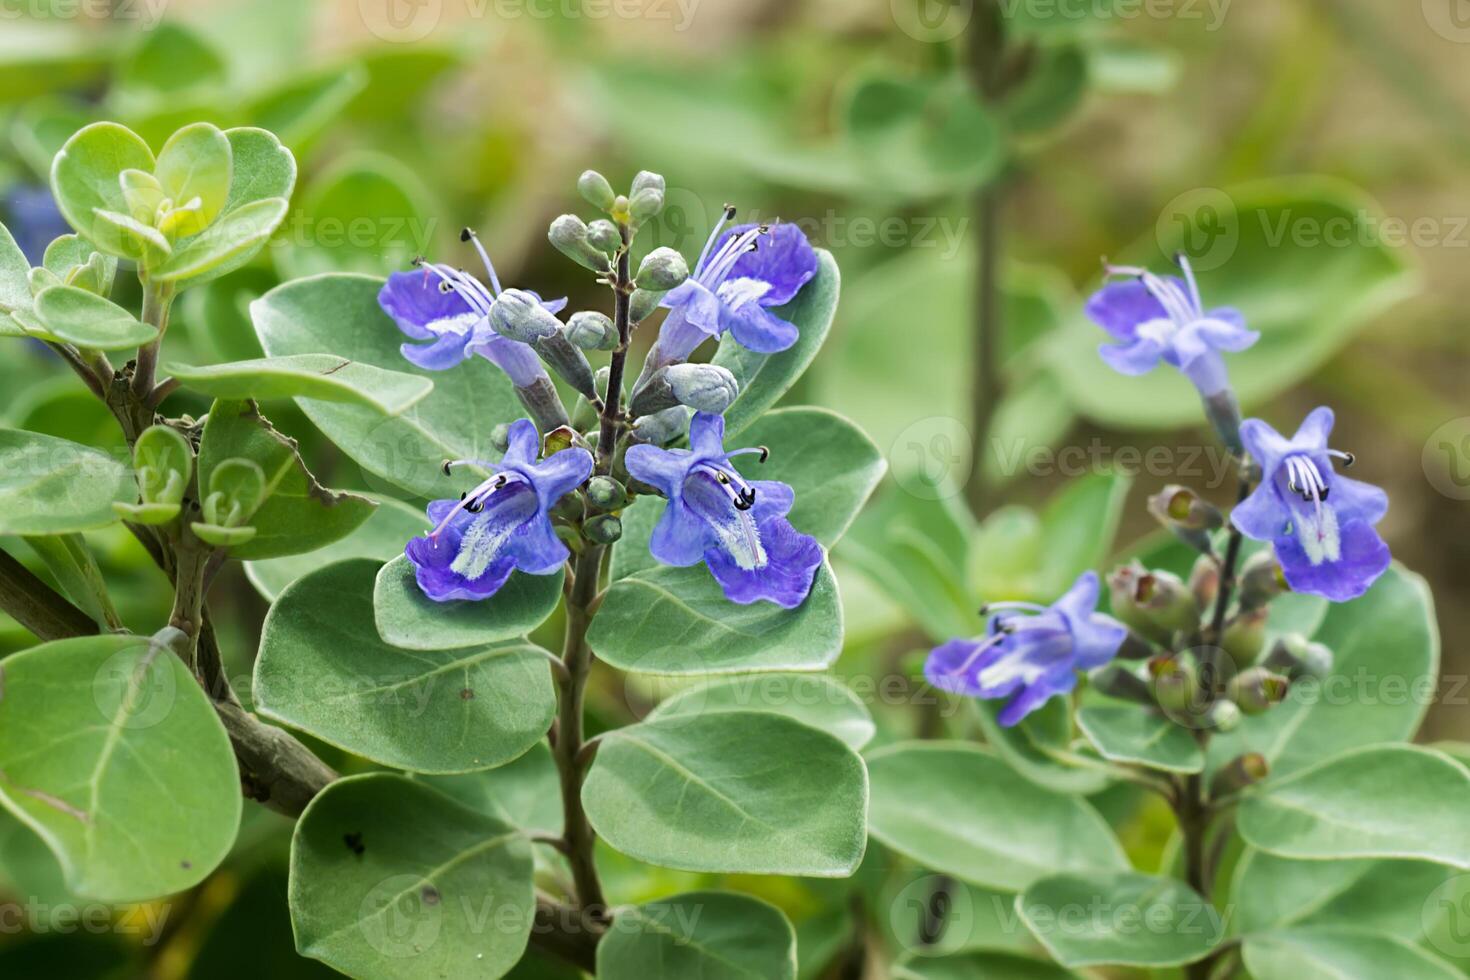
point(407, 618)
point(712, 935)
point(40, 58)
point(1339, 952)
point(1125, 66)
point(399, 77)
point(52, 486)
point(42, 126)
point(89, 321)
point(1051, 91)
point(1178, 926)
point(980, 966)
point(301, 108)
point(168, 60)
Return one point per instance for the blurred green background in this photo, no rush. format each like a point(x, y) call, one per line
point(1313, 156)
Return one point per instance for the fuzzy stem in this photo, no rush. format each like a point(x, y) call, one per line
point(157, 301)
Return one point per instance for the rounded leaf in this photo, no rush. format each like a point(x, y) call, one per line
point(407, 618)
point(86, 177)
point(710, 935)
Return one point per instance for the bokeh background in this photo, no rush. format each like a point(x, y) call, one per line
point(1312, 155)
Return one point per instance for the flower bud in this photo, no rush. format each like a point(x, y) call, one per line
point(662, 428)
point(600, 381)
point(500, 437)
point(518, 315)
point(603, 529)
point(1297, 657)
point(568, 234)
point(1204, 581)
point(1174, 683)
point(647, 180)
point(606, 493)
point(564, 437)
point(604, 236)
point(595, 188)
point(1156, 603)
point(1224, 716)
point(1119, 681)
point(1257, 690)
point(1181, 506)
point(1244, 636)
point(642, 304)
point(567, 361)
point(1240, 772)
point(662, 270)
point(1261, 580)
point(591, 330)
point(703, 387)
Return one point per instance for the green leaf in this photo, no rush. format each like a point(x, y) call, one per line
point(833, 467)
point(407, 618)
point(980, 966)
point(226, 244)
point(1029, 747)
point(85, 179)
point(1052, 88)
point(1306, 298)
point(53, 486)
point(1125, 919)
point(525, 792)
point(1078, 526)
point(193, 171)
point(737, 792)
point(818, 701)
point(931, 136)
point(980, 821)
point(381, 537)
point(390, 878)
point(1325, 953)
point(1392, 801)
point(323, 669)
point(170, 59)
point(15, 271)
point(1375, 895)
point(1131, 734)
point(69, 559)
point(710, 935)
point(320, 376)
point(367, 214)
point(764, 378)
point(299, 514)
point(299, 109)
point(263, 168)
point(76, 262)
point(88, 320)
point(339, 314)
point(666, 620)
point(114, 756)
point(40, 58)
point(1388, 640)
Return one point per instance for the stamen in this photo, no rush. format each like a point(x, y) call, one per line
point(1182, 261)
point(474, 500)
point(969, 661)
point(469, 235)
point(713, 235)
point(1348, 459)
point(990, 607)
point(765, 453)
point(725, 260)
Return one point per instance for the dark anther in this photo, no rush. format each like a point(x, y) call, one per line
point(764, 230)
point(446, 287)
point(467, 234)
point(1348, 459)
point(418, 260)
point(1291, 485)
point(748, 495)
point(447, 466)
point(1325, 492)
point(744, 503)
point(722, 478)
point(474, 506)
point(729, 212)
point(463, 495)
point(765, 453)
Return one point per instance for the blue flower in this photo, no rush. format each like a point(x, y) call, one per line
point(1321, 524)
point(452, 309)
point(501, 525)
point(1156, 319)
point(738, 528)
point(1030, 658)
point(736, 280)
point(35, 221)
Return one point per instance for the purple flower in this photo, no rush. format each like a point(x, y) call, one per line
point(736, 280)
point(35, 221)
point(1156, 319)
point(738, 528)
point(501, 525)
point(1321, 524)
point(1033, 657)
point(451, 309)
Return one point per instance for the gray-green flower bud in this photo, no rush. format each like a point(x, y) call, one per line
point(642, 304)
point(518, 315)
point(604, 236)
point(703, 387)
point(1297, 657)
point(568, 234)
point(1119, 681)
point(1240, 772)
point(662, 270)
point(591, 330)
point(1175, 684)
point(1155, 603)
point(1261, 580)
point(606, 493)
point(1224, 716)
point(1244, 636)
point(662, 428)
point(500, 437)
point(647, 180)
point(604, 528)
point(1257, 690)
point(595, 188)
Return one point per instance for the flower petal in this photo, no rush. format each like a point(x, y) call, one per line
point(757, 329)
point(707, 435)
point(1036, 694)
point(561, 473)
point(1119, 308)
point(1358, 501)
point(1315, 430)
point(1137, 357)
point(1266, 446)
point(1363, 556)
point(446, 352)
point(536, 549)
point(784, 258)
point(524, 445)
point(792, 560)
point(680, 537)
point(661, 468)
point(414, 300)
point(951, 667)
point(1263, 514)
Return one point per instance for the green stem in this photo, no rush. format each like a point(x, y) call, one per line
point(157, 301)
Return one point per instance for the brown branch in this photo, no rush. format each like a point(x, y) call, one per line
point(38, 607)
